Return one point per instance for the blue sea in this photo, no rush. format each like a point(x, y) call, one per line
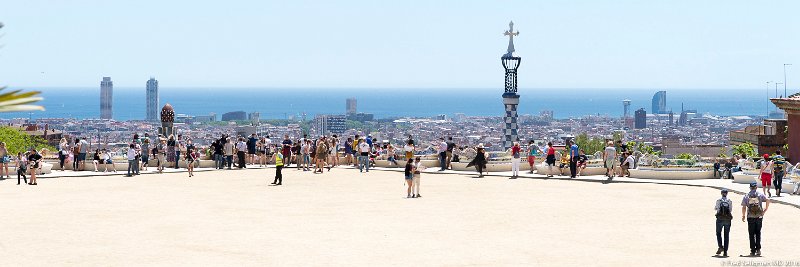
point(276, 103)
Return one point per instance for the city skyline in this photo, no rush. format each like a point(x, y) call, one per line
point(600, 44)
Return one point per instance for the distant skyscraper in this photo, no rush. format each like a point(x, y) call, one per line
point(106, 98)
point(234, 116)
point(641, 119)
point(152, 99)
point(660, 102)
point(329, 124)
point(351, 106)
point(626, 107)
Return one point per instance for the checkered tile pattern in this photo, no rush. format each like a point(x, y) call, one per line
point(510, 130)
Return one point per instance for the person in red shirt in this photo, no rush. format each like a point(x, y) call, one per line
point(515, 159)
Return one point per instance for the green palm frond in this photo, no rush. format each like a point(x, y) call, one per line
point(17, 100)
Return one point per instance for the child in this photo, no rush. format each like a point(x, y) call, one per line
point(22, 167)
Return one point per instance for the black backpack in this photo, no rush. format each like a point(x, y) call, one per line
point(724, 212)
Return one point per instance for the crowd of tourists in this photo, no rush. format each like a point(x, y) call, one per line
point(322, 154)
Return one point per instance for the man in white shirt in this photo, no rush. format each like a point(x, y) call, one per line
point(442, 150)
point(363, 155)
point(131, 159)
point(241, 148)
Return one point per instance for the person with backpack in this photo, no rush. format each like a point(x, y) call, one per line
point(753, 209)
point(766, 175)
point(778, 166)
point(533, 151)
point(724, 214)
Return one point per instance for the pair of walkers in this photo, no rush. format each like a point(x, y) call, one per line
point(772, 172)
point(413, 172)
point(754, 206)
point(26, 161)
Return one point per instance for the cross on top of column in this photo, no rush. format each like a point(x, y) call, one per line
point(510, 33)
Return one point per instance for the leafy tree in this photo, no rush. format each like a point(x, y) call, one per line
point(723, 153)
point(745, 148)
point(18, 141)
point(589, 144)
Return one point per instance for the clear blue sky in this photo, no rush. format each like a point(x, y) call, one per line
point(421, 44)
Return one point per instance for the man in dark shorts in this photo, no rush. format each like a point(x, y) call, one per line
point(251, 148)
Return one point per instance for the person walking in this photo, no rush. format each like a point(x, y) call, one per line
point(418, 168)
point(33, 162)
point(409, 175)
point(550, 159)
point(754, 206)
point(610, 158)
point(131, 154)
point(105, 157)
point(278, 158)
point(778, 171)
point(191, 156)
point(363, 156)
point(442, 150)
point(63, 152)
point(766, 175)
point(533, 151)
point(22, 167)
point(479, 161)
point(515, 160)
point(573, 159)
point(724, 215)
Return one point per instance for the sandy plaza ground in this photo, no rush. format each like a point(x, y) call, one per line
point(344, 218)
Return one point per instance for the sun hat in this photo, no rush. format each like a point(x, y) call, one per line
point(753, 185)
